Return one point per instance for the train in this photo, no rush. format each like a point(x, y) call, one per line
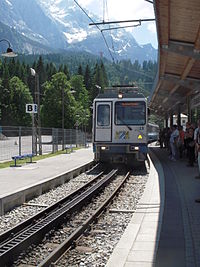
point(153, 132)
point(121, 131)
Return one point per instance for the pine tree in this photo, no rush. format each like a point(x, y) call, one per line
point(104, 75)
point(17, 68)
point(60, 69)
point(11, 67)
point(5, 75)
point(40, 69)
point(88, 78)
point(80, 70)
point(66, 72)
point(51, 71)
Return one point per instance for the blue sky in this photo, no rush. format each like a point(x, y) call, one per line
point(127, 10)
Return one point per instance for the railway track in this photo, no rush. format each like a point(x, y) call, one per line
point(32, 231)
point(71, 240)
point(16, 229)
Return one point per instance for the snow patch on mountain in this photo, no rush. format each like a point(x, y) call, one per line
point(115, 38)
point(76, 36)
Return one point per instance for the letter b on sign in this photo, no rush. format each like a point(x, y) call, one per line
point(31, 108)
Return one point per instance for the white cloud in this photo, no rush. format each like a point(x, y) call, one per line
point(84, 3)
point(129, 9)
point(121, 10)
point(152, 27)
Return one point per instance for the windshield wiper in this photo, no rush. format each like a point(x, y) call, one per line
point(125, 123)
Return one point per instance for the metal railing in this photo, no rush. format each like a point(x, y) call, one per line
point(21, 140)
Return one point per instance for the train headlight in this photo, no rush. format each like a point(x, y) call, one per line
point(139, 137)
point(103, 148)
point(120, 95)
point(134, 148)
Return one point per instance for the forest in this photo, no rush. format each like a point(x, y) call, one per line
point(68, 80)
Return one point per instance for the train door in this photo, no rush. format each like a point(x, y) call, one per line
point(103, 121)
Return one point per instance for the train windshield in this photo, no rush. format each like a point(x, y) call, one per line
point(130, 113)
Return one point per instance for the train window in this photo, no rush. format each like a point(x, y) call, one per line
point(131, 113)
point(103, 115)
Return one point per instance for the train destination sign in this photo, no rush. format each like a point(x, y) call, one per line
point(131, 104)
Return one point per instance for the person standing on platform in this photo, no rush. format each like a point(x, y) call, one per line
point(161, 137)
point(180, 142)
point(188, 126)
point(167, 138)
point(173, 141)
point(191, 148)
point(197, 141)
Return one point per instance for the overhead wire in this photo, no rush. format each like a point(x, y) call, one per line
point(113, 47)
point(141, 83)
point(138, 72)
point(101, 31)
point(150, 1)
point(105, 8)
point(121, 27)
point(97, 28)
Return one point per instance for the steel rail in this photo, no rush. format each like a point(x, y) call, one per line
point(61, 249)
point(22, 226)
point(33, 234)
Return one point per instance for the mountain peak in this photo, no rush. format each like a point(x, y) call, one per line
point(60, 24)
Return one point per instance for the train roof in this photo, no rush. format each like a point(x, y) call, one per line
point(115, 94)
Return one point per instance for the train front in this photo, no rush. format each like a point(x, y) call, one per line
point(120, 128)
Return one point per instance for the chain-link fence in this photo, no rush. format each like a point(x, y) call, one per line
point(16, 141)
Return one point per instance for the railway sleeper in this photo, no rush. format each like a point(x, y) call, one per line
point(53, 220)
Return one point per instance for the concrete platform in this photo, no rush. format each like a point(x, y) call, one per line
point(165, 229)
point(19, 184)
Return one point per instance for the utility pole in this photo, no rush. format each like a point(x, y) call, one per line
point(38, 112)
point(34, 136)
point(38, 120)
point(63, 118)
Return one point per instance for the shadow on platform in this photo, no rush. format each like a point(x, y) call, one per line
point(179, 243)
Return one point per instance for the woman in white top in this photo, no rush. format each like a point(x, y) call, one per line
point(173, 139)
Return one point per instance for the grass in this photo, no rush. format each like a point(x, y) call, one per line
point(36, 158)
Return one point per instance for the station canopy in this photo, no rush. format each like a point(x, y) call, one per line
point(178, 79)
